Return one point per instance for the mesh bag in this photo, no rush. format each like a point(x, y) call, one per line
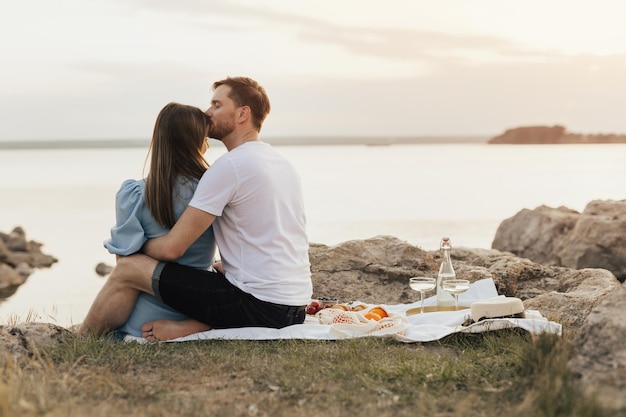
point(336, 316)
point(347, 324)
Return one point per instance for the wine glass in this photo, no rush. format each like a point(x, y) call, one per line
point(456, 287)
point(422, 284)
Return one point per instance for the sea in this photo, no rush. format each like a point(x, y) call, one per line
point(63, 197)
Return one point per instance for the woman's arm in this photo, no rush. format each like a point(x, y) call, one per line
point(175, 243)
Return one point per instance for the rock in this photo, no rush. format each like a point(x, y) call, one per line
point(597, 240)
point(9, 277)
point(4, 251)
point(571, 307)
point(103, 269)
point(564, 295)
point(372, 270)
point(24, 339)
point(16, 240)
point(33, 256)
point(15, 249)
point(599, 356)
point(24, 269)
point(564, 237)
point(533, 234)
point(18, 258)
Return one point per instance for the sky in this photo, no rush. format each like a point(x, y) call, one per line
point(75, 69)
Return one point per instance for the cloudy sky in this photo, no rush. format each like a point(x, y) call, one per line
point(75, 69)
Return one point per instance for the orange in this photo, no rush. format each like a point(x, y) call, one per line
point(378, 310)
point(372, 316)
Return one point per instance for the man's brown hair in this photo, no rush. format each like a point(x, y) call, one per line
point(245, 91)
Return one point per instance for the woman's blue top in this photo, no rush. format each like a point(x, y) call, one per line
point(135, 225)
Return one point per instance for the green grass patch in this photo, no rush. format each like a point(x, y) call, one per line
point(488, 374)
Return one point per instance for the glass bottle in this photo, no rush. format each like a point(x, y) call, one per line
point(446, 271)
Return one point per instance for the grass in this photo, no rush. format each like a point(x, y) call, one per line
point(490, 374)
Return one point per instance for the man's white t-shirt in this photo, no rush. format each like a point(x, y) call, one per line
point(260, 227)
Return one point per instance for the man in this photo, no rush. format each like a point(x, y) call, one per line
point(254, 196)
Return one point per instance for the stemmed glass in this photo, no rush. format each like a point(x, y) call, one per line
point(422, 284)
point(456, 287)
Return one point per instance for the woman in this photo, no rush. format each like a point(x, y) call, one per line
point(149, 207)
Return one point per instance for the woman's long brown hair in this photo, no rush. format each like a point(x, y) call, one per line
point(175, 151)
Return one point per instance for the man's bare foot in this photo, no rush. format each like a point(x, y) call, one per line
point(160, 330)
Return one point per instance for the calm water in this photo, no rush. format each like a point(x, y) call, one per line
point(418, 193)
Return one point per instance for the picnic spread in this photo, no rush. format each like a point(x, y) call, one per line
point(403, 322)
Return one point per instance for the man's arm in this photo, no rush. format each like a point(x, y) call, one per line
point(187, 230)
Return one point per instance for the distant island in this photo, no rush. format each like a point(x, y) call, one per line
point(544, 135)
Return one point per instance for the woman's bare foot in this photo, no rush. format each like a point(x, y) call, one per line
point(159, 330)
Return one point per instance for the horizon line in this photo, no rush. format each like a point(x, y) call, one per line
point(288, 141)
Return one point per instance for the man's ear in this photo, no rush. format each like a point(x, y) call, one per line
point(243, 113)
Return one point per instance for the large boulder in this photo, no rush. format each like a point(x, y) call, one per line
point(595, 238)
point(372, 270)
point(599, 356)
point(534, 234)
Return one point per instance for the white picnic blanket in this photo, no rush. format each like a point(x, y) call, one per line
point(415, 328)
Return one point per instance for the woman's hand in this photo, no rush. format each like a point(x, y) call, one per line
point(217, 265)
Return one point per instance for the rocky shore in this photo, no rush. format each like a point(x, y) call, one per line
point(558, 261)
point(544, 135)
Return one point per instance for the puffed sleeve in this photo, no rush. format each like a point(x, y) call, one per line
point(127, 236)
